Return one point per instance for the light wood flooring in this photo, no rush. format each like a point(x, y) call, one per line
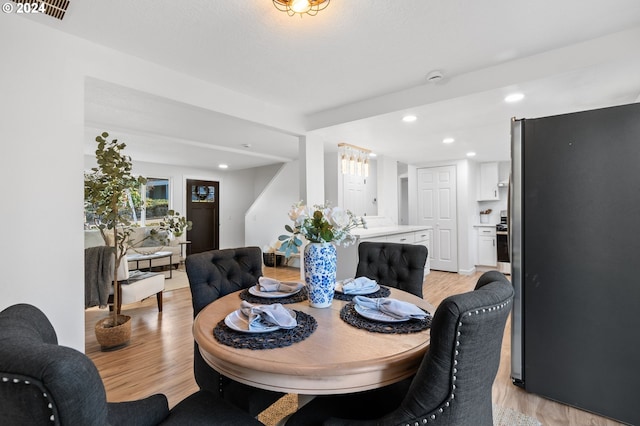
point(160, 356)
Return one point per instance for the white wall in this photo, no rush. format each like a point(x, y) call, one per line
point(42, 110)
point(266, 218)
point(387, 175)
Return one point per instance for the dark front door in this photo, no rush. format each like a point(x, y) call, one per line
point(203, 210)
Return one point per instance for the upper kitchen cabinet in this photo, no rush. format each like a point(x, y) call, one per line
point(488, 189)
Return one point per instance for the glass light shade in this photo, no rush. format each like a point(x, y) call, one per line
point(359, 166)
point(366, 168)
point(300, 6)
point(352, 165)
point(344, 164)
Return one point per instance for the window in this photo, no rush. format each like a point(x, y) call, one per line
point(156, 199)
point(154, 195)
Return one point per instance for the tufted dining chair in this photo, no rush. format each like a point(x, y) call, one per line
point(43, 383)
point(393, 264)
point(453, 383)
point(214, 274)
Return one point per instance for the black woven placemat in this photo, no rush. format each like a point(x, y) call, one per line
point(350, 316)
point(294, 298)
point(383, 292)
point(271, 340)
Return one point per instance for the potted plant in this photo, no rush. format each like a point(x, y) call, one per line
point(108, 191)
point(484, 215)
point(177, 223)
point(322, 226)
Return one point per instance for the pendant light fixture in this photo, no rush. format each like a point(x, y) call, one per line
point(300, 7)
point(353, 160)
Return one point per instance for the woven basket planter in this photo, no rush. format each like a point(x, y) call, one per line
point(111, 338)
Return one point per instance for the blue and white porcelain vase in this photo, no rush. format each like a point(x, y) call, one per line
point(320, 273)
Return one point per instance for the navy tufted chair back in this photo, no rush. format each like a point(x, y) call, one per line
point(41, 382)
point(394, 265)
point(214, 274)
point(453, 384)
point(454, 381)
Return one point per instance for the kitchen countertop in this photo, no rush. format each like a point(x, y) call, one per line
point(379, 231)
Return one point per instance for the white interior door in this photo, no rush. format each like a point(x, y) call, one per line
point(354, 194)
point(437, 208)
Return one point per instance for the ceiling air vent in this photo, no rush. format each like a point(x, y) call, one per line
point(54, 8)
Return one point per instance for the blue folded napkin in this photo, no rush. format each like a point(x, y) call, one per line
point(356, 285)
point(270, 284)
point(392, 307)
point(263, 316)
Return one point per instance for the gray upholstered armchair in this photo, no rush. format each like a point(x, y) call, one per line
point(452, 385)
point(393, 264)
point(214, 274)
point(43, 383)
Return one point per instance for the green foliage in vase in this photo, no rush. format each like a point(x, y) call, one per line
point(319, 224)
point(176, 223)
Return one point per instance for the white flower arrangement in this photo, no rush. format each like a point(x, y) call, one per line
point(273, 247)
point(320, 224)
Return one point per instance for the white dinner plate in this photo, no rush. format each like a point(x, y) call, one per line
point(360, 292)
point(238, 321)
point(255, 290)
point(376, 315)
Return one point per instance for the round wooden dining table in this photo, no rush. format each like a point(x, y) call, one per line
point(336, 358)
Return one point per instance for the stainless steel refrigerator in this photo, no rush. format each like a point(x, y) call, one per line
point(575, 252)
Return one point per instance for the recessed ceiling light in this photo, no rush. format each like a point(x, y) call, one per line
point(448, 140)
point(409, 118)
point(373, 154)
point(223, 166)
point(471, 154)
point(514, 97)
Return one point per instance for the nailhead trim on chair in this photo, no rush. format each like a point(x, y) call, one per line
point(441, 409)
point(44, 394)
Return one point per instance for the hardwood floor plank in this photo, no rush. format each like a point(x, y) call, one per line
point(159, 358)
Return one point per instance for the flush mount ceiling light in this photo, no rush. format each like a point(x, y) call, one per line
point(310, 7)
point(354, 160)
point(514, 97)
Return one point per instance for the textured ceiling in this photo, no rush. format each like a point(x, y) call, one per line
point(358, 65)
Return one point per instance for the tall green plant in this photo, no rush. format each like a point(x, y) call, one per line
point(106, 191)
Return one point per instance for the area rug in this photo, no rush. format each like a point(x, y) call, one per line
point(286, 405)
point(179, 280)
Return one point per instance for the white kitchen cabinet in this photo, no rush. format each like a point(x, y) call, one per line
point(487, 250)
point(488, 182)
point(424, 238)
point(348, 256)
